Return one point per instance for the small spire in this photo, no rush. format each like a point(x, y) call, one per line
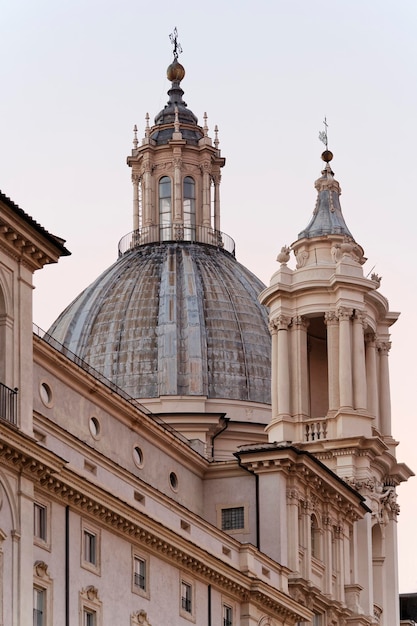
point(216, 137)
point(205, 127)
point(147, 126)
point(135, 136)
point(176, 135)
point(176, 121)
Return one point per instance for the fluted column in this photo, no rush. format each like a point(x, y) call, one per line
point(345, 358)
point(372, 377)
point(206, 193)
point(328, 556)
point(273, 329)
point(147, 192)
point(135, 181)
point(283, 366)
point(293, 530)
point(359, 369)
point(332, 322)
point(299, 366)
point(217, 179)
point(384, 388)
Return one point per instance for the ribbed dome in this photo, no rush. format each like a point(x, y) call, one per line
point(174, 319)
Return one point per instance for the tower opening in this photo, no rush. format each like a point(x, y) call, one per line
point(165, 213)
point(317, 367)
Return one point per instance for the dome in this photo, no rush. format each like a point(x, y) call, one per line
point(174, 318)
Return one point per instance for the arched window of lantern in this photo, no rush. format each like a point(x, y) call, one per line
point(189, 208)
point(165, 209)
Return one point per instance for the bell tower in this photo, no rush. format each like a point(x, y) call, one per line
point(330, 383)
point(330, 333)
point(176, 173)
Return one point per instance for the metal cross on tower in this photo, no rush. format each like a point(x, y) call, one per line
point(323, 134)
point(174, 40)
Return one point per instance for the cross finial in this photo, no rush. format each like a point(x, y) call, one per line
point(323, 134)
point(174, 40)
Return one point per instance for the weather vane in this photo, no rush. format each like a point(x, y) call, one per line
point(323, 134)
point(174, 40)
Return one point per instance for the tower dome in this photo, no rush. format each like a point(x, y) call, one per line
point(176, 314)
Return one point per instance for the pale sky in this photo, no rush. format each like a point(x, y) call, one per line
point(76, 75)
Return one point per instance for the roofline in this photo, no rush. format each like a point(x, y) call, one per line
point(298, 451)
point(58, 242)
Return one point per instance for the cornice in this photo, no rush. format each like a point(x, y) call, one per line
point(302, 467)
point(23, 454)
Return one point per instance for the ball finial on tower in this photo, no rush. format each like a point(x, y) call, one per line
point(175, 71)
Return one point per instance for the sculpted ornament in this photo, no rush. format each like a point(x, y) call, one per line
point(41, 569)
point(377, 279)
point(140, 617)
point(301, 257)
point(284, 256)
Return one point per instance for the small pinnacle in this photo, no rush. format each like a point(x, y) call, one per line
point(147, 126)
point(176, 121)
point(135, 136)
point(216, 137)
point(205, 127)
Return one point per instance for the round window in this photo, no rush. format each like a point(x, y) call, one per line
point(94, 425)
point(173, 481)
point(138, 456)
point(46, 394)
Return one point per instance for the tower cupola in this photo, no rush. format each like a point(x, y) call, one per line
point(176, 175)
point(330, 332)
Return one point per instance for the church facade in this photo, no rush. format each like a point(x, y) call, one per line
point(186, 445)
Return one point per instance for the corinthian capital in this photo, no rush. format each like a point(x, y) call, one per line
point(344, 313)
point(330, 317)
point(300, 322)
point(383, 347)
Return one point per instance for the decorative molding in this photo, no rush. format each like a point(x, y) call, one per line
point(139, 618)
point(40, 569)
point(301, 257)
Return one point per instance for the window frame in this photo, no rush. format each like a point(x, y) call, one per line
point(226, 608)
point(90, 530)
point(42, 541)
point(37, 592)
point(138, 556)
point(165, 226)
point(189, 209)
point(220, 508)
point(189, 586)
point(90, 604)
point(42, 582)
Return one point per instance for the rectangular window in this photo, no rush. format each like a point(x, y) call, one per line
point(233, 518)
point(227, 615)
point(186, 597)
point(139, 573)
point(39, 607)
point(90, 547)
point(89, 618)
point(39, 521)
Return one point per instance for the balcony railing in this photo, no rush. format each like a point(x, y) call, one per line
point(315, 429)
point(176, 232)
point(8, 404)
